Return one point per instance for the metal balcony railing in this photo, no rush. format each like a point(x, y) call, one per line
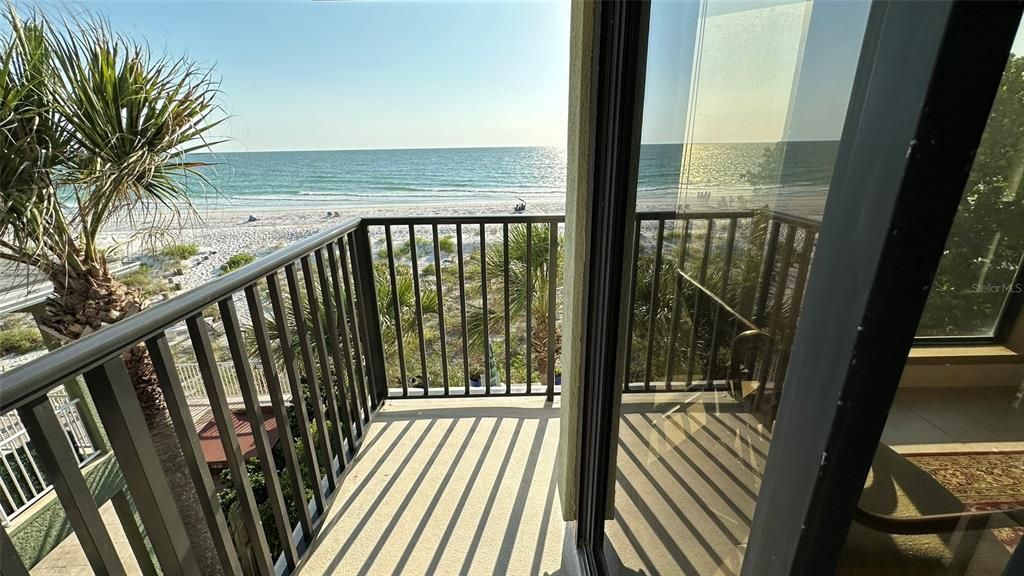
point(714, 301)
point(331, 298)
point(483, 320)
point(411, 307)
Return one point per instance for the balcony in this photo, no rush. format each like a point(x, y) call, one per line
point(432, 348)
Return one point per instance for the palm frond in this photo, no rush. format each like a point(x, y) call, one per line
point(96, 128)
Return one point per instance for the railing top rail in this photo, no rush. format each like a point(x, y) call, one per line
point(37, 377)
point(785, 217)
point(801, 221)
point(695, 214)
point(463, 219)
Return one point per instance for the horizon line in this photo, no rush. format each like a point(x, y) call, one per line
point(485, 147)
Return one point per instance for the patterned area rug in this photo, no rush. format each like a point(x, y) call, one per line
point(982, 481)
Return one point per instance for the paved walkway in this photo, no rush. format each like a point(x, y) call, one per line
point(68, 559)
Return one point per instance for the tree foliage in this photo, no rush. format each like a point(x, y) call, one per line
point(985, 244)
point(95, 128)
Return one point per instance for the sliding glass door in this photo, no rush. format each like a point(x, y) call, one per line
point(733, 180)
point(800, 167)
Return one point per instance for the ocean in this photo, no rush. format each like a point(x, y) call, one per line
point(491, 175)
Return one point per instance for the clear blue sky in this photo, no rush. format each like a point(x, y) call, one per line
point(333, 75)
point(300, 74)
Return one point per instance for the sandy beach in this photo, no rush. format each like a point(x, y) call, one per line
point(222, 233)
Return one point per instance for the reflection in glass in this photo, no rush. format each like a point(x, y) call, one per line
point(732, 184)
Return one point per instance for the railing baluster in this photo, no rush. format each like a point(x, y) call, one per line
point(298, 400)
point(355, 410)
point(754, 247)
point(631, 302)
point(35, 469)
point(796, 299)
point(366, 297)
point(137, 542)
point(122, 417)
point(6, 492)
point(777, 291)
point(51, 445)
point(529, 308)
point(779, 296)
point(350, 307)
point(243, 371)
point(415, 260)
point(11, 563)
point(701, 278)
point(342, 429)
point(340, 410)
point(188, 439)
point(440, 309)
point(250, 513)
point(24, 472)
point(652, 310)
point(397, 311)
point(552, 312)
point(462, 302)
point(723, 289)
point(765, 276)
point(508, 334)
point(673, 324)
point(277, 403)
point(483, 306)
point(17, 485)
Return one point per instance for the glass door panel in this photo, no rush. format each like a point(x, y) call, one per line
point(745, 103)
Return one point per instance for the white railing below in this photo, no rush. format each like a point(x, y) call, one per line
point(192, 381)
point(22, 482)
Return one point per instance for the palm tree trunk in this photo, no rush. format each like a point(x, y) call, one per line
point(82, 303)
point(539, 343)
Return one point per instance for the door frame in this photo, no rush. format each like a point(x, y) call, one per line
point(619, 58)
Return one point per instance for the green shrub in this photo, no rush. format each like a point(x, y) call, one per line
point(237, 261)
point(179, 251)
point(20, 341)
point(143, 279)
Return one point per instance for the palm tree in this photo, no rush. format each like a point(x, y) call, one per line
point(405, 294)
point(520, 304)
point(96, 129)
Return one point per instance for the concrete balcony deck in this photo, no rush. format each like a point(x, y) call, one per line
point(469, 486)
point(449, 486)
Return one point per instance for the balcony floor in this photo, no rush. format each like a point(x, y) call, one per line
point(449, 486)
point(469, 485)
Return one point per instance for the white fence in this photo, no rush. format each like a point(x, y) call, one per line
point(192, 381)
point(22, 481)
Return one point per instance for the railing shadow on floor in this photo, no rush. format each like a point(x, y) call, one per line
point(687, 478)
point(455, 479)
